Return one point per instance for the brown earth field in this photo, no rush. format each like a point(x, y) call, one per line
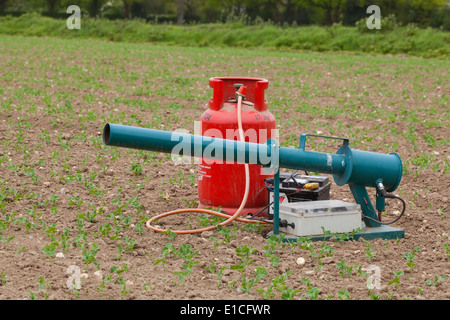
point(73, 211)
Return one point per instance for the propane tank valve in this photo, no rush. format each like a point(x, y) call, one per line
point(241, 90)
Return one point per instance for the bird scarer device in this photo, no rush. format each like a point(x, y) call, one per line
point(239, 170)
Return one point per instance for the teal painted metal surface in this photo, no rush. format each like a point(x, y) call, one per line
point(370, 167)
point(276, 204)
point(347, 166)
point(186, 144)
point(362, 198)
point(366, 233)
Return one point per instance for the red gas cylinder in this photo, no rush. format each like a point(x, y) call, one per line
point(220, 183)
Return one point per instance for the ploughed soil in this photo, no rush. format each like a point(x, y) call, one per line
point(73, 212)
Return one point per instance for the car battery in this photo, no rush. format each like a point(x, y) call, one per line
point(292, 189)
point(314, 217)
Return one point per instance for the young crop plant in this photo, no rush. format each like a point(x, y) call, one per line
point(274, 243)
point(105, 280)
point(279, 284)
point(136, 168)
point(248, 283)
point(326, 250)
point(227, 233)
point(186, 253)
point(312, 293)
point(410, 256)
point(344, 270)
point(89, 256)
point(344, 295)
point(120, 280)
point(244, 254)
point(218, 273)
point(65, 244)
point(396, 279)
point(3, 279)
point(435, 280)
point(369, 251)
point(306, 243)
point(168, 248)
point(50, 249)
point(44, 286)
point(8, 240)
point(447, 250)
point(129, 243)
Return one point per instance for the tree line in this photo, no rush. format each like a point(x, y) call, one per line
point(424, 13)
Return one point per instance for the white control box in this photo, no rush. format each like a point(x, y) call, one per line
point(310, 218)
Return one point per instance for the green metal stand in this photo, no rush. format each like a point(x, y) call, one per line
point(366, 233)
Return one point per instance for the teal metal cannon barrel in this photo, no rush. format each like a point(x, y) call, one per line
point(347, 166)
point(356, 168)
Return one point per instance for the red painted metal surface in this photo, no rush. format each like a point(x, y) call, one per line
point(222, 184)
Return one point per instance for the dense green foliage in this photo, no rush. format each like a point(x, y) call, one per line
point(391, 39)
point(433, 13)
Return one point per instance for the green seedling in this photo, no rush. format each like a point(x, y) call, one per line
point(129, 243)
point(118, 271)
point(312, 293)
point(274, 242)
point(105, 229)
point(120, 280)
point(344, 295)
point(146, 286)
point(278, 284)
point(409, 256)
point(217, 273)
point(396, 279)
point(50, 249)
point(289, 293)
point(124, 290)
point(21, 250)
point(166, 250)
point(326, 250)
point(8, 240)
point(136, 168)
point(435, 281)
point(227, 233)
point(3, 279)
point(447, 250)
point(248, 283)
point(374, 296)
point(65, 244)
point(32, 295)
point(44, 287)
point(187, 254)
point(369, 252)
point(344, 270)
point(101, 287)
point(89, 256)
point(120, 250)
point(244, 254)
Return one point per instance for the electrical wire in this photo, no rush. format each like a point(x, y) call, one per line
point(396, 219)
point(263, 209)
point(267, 186)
